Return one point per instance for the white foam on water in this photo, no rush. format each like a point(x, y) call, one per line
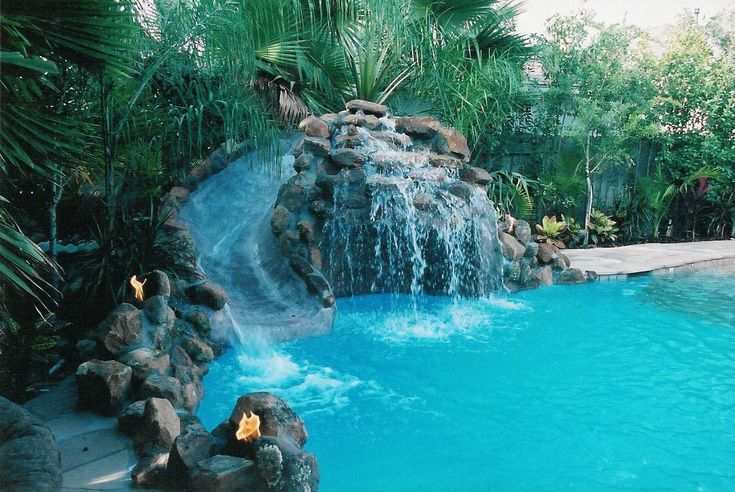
point(314, 388)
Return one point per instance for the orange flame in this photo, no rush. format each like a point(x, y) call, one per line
point(138, 286)
point(249, 427)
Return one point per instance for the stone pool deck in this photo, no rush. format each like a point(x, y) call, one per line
point(613, 263)
point(94, 455)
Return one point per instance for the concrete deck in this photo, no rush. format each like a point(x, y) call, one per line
point(653, 257)
point(94, 456)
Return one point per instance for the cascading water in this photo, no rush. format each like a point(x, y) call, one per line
point(425, 231)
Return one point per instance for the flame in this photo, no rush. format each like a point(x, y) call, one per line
point(249, 427)
point(138, 286)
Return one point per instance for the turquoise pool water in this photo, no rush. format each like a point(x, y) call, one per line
point(626, 385)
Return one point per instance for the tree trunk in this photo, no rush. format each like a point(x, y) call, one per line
point(56, 191)
point(588, 179)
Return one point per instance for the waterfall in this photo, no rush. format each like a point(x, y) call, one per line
point(424, 232)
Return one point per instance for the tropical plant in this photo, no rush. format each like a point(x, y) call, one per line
point(573, 235)
point(550, 231)
point(661, 193)
point(32, 338)
point(602, 228)
point(22, 263)
point(509, 192)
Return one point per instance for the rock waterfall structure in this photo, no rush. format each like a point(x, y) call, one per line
point(383, 204)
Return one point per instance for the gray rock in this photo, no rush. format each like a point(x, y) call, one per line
point(121, 328)
point(367, 107)
point(512, 249)
point(86, 349)
point(103, 385)
point(284, 467)
point(129, 419)
point(572, 276)
point(189, 448)
point(425, 203)
point(29, 457)
point(200, 321)
point(165, 387)
point(159, 427)
point(198, 350)
point(321, 208)
point(547, 253)
point(314, 127)
point(420, 126)
point(543, 275)
point(208, 294)
point(225, 474)
point(292, 196)
point(156, 309)
point(277, 419)
point(444, 161)
point(349, 141)
point(347, 158)
point(150, 472)
point(145, 361)
point(398, 140)
point(280, 219)
point(462, 190)
point(369, 121)
point(450, 141)
point(317, 146)
point(157, 283)
point(531, 250)
point(476, 175)
point(522, 231)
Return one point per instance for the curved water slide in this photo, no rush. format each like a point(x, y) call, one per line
point(229, 218)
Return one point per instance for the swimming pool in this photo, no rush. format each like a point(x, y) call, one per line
point(621, 385)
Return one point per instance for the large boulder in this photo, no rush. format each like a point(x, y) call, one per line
point(572, 276)
point(159, 427)
point(277, 419)
point(157, 282)
point(129, 420)
point(547, 253)
point(543, 275)
point(166, 387)
point(450, 141)
point(223, 473)
point(419, 126)
point(476, 175)
point(29, 458)
point(156, 309)
point(367, 107)
point(208, 294)
point(193, 445)
point(523, 231)
point(145, 361)
point(150, 472)
point(103, 385)
point(122, 327)
point(512, 249)
point(314, 127)
point(284, 467)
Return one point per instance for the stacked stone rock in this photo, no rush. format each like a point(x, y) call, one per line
point(179, 453)
point(145, 353)
point(530, 264)
point(333, 155)
point(150, 363)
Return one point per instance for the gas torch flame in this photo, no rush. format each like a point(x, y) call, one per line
point(138, 286)
point(249, 427)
